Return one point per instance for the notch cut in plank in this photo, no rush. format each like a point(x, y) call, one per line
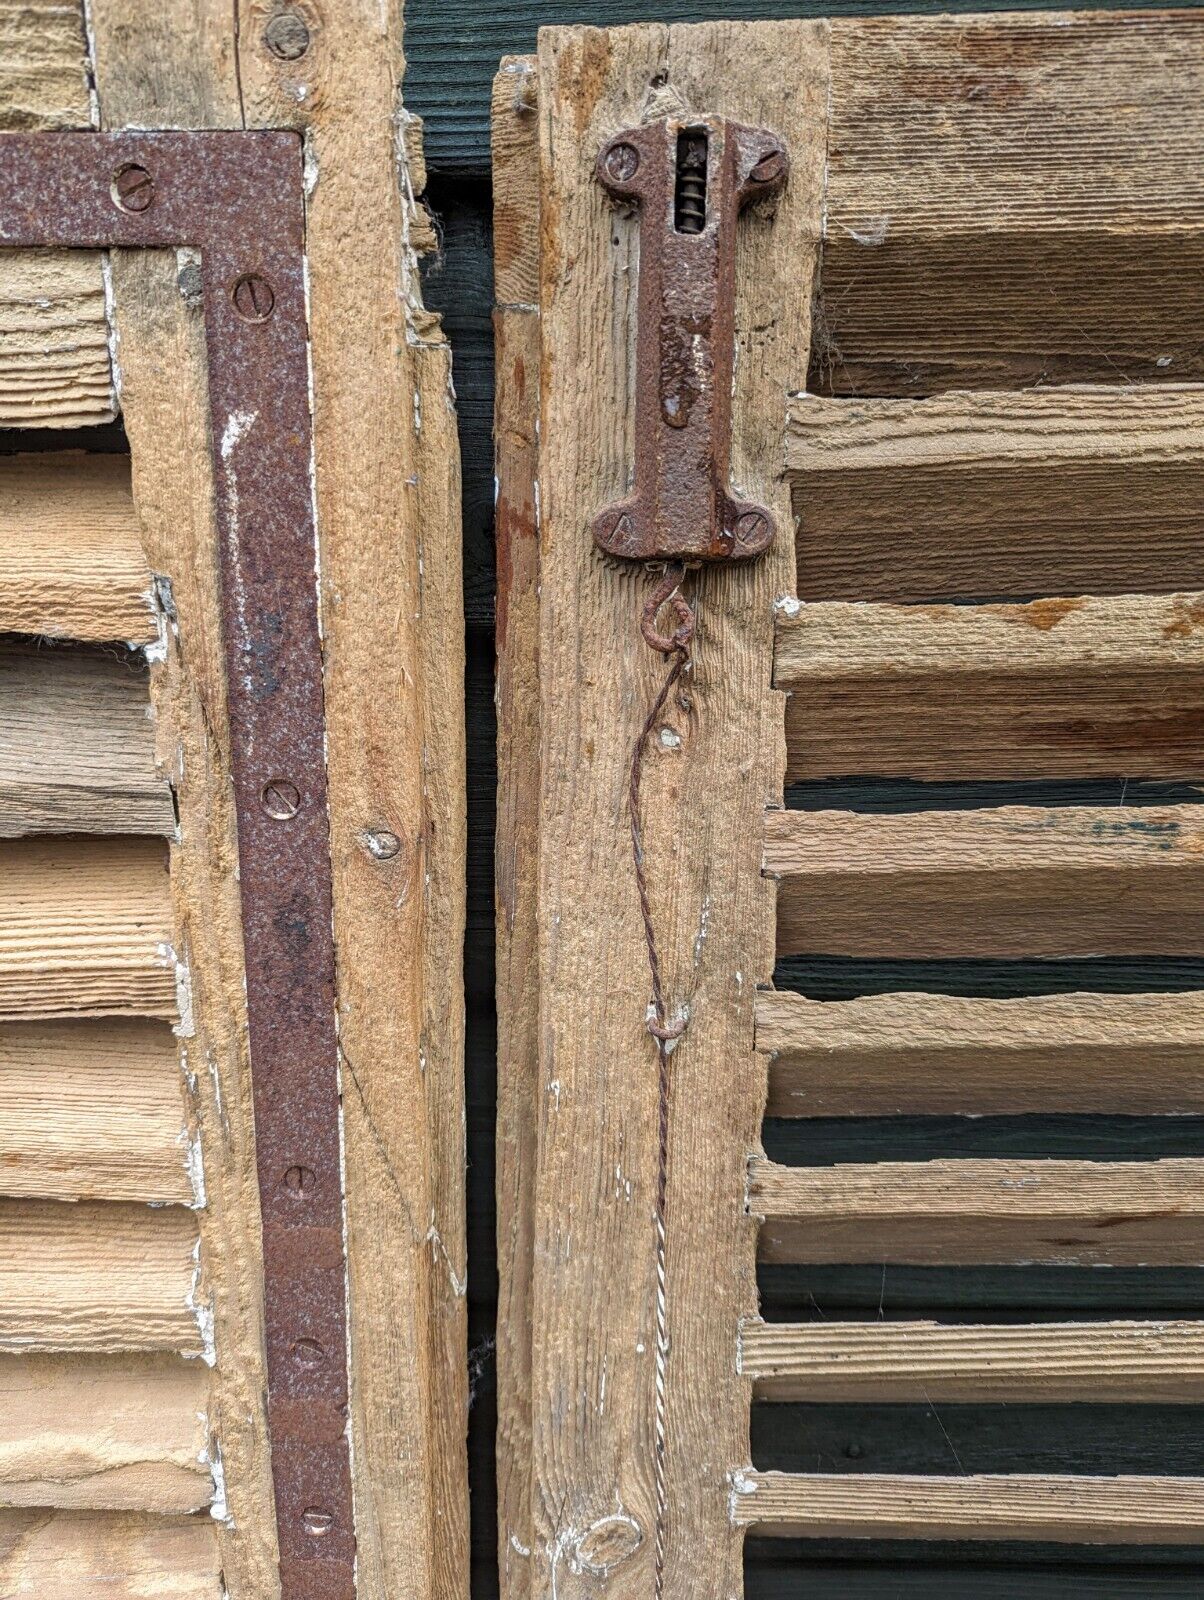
point(1130, 1363)
point(85, 929)
point(93, 1111)
point(1047, 1507)
point(77, 745)
point(43, 66)
point(66, 1555)
point(1073, 490)
point(71, 560)
point(99, 1277)
point(935, 1054)
point(956, 1213)
point(1012, 200)
point(100, 1433)
point(1008, 881)
point(54, 340)
point(1060, 688)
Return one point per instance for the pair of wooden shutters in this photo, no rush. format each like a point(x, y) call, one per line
point(921, 833)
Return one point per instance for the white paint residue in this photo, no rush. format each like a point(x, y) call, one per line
point(238, 425)
point(194, 1163)
point(518, 1547)
point(202, 1309)
point(219, 1510)
point(787, 605)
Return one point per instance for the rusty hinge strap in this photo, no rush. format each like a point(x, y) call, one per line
point(239, 198)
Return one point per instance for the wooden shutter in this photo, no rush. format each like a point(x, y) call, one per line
point(134, 1451)
point(927, 757)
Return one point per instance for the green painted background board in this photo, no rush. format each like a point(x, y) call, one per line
point(453, 48)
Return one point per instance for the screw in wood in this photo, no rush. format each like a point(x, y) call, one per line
point(382, 845)
point(133, 188)
point(280, 799)
point(253, 297)
point(770, 168)
point(287, 35)
point(622, 162)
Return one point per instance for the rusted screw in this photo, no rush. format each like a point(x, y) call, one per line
point(317, 1523)
point(308, 1353)
point(299, 1180)
point(382, 845)
point(253, 297)
point(281, 799)
point(751, 527)
point(287, 35)
point(133, 188)
point(622, 162)
point(770, 168)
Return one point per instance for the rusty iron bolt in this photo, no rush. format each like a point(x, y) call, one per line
point(253, 297)
point(750, 526)
point(622, 162)
point(308, 1352)
point(770, 168)
point(382, 845)
point(133, 188)
point(317, 1523)
point(281, 799)
point(299, 1180)
point(287, 35)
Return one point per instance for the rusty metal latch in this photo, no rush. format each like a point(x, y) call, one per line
point(690, 179)
point(239, 197)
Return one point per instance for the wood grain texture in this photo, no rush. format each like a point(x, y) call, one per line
point(174, 65)
point(77, 747)
point(516, 863)
point(54, 355)
point(93, 1110)
point(928, 1054)
point(1063, 1510)
point(59, 1555)
point(104, 1433)
point(1011, 881)
point(93, 1277)
point(950, 1213)
point(1076, 688)
point(595, 1250)
point(85, 929)
point(1012, 200)
point(71, 560)
point(1066, 490)
point(1013, 1364)
point(387, 494)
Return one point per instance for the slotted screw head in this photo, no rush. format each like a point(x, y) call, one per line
point(287, 35)
point(133, 188)
point(281, 799)
point(752, 526)
point(253, 297)
point(769, 168)
point(622, 162)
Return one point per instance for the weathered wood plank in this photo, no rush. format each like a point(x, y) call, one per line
point(593, 1295)
point(388, 516)
point(1063, 1510)
point(910, 1054)
point(1017, 880)
point(1107, 1213)
point(43, 65)
point(104, 1434)
point(71, 560)
point(77, 746)
point(1012, 200)
point(1065, 490)
point(1078, 688)
point(94, 1110)
point(85, 929)
point(1034, 1363)
point(62, 1555)
point(516, 434)
point(54, 351)
point(100, 1277)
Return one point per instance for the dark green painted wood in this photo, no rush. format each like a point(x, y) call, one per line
point(823, 977)
point(1081, 1440)
point(800, 1569)
point(827, 1141)
point(453, 48)
point(897, 795)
